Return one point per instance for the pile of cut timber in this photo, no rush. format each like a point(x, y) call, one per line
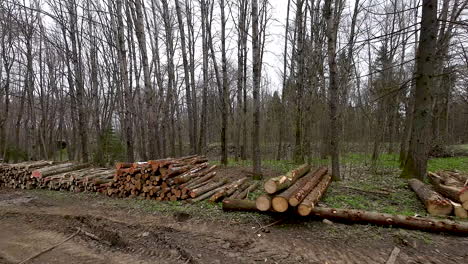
point(174, 179)
point(55, 176)
point(300, 188)
point(448, 193)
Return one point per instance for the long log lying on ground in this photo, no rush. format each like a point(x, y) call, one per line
point(239, 205)
point(309, 202)
point(284, 181)
point(367, 217)
point(299, 195)
point(434, 202)
point(280, 202)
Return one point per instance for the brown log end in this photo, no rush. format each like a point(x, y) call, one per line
point(263, 202)
point(270, 187)
point(304, 210)
point(280, 204)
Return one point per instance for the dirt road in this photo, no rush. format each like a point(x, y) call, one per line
point(31, 221)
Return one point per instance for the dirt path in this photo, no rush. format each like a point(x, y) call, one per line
point(31, 222)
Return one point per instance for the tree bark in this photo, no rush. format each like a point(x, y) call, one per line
point(256, 67)
point(434, 202)
point(418, 153)
point(284, 181)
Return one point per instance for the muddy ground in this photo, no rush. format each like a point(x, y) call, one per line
point(129, 231)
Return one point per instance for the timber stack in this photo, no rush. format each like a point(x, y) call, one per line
point(447, 194)
point(299, 189)
point(52, 175)
point(172, 179)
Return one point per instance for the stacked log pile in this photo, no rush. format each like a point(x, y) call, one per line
point(55, 176)
point(448, 193)
point(188, 178)
point(299, 189)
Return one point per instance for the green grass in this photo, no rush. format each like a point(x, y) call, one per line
point(459, 163)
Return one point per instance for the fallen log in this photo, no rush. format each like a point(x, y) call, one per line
point(241, 188)
point(206, 188)
point(246, 192)
point(239, 205)
point(228, 190)
point(208, 194)
point(300, 194)
point(309, 202)
point(280, 202)
point(368, 217)
point(419, 223)
point(284, 181)
point(435, 204)
point(263, 202)
point(449, 191)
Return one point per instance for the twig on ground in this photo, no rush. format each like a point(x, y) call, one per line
point(271, 224)
point(393, 256)
point(50, 248)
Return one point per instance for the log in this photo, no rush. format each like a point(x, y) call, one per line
point(73, 167)
point(313, 197)
point(280, 202)
point(123, 165)
point(185, 177)
point(227, 190)
point(240, 190)
point(368, 217)
point(208, 194)
point(206, 188)
point(464, 195)
point(300, 194)
point(284, 181)
point(465, 205)
point(263, 202)
point(246, 192)
point(451, 192)
point(207, 175)
point(459, 211)
point(434, 202)
point(238, 205)
point(418, 223)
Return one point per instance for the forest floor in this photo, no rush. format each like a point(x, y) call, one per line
point(141, 231)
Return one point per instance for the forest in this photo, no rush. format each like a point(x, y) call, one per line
point(128, 80)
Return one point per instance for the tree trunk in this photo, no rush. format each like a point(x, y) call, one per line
point(332, 21)
point(418, 153)
point(188, 94)
point(256, 92)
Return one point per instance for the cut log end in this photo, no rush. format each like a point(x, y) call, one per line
point(263, 203)
point(270, 187)
point(280, 204)
point(304, 210)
